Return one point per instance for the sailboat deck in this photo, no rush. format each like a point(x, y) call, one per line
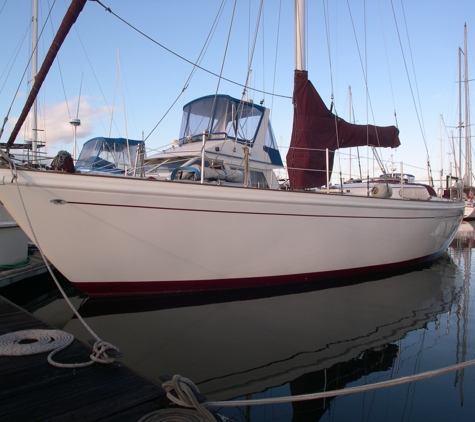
point(32, 389)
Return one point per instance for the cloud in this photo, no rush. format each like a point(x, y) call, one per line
point(54, 121)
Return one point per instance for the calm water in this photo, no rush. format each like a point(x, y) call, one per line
point(280, 342)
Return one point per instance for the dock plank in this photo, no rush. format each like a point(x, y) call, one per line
point(32, 389)
point(35, 267)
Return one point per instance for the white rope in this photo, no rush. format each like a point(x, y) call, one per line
point(351, 390)
point(44, 341)
point(174, 415)
point(40, 341)
point(184, 395)
point(178, 384)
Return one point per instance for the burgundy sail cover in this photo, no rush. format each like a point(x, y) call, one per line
point(316, 128)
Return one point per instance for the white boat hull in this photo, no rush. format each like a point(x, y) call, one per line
point(13, 242)
point(122, 236)
point(469, 212)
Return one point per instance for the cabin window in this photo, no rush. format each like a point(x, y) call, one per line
point(258, 180)
point(90, 151)
point(224, 117)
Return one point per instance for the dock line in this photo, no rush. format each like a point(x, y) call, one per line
point(182, 386)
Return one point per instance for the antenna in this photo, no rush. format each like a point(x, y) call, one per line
point(76, 122)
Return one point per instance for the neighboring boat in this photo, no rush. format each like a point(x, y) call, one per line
point(110, 155)
point(221, 145)
point(121, 235)
point(469, 212)
point(389, 185)
point(468, 188)
point(13, 242)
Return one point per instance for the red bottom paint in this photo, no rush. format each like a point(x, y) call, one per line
point(140, 288)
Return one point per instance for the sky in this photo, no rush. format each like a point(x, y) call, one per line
point(125, 76)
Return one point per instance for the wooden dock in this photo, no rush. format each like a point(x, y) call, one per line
point(35, 267)
point(33, 390)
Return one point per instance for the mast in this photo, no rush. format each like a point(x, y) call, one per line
point(316, 132)
point(468, 146)
point(349, 118)
point(300, 61)
point(460, 114)
point(34, 70)
point(69, 19)
point(441, 154)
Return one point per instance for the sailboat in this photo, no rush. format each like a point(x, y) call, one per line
point(113, 236)
point(468, 189)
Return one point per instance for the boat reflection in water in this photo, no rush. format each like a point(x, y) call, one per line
point(233, 346)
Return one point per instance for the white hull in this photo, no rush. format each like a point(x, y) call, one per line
point(469, 212)
point(13, 242)
point(118, 236)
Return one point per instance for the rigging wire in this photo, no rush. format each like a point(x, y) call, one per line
point(263, 55)
point(387, 63)
point(195, 66)
point(369, 105)
point(108, 9)
point(414, 73)
point(327, 32)
point(276, 53)
point(431, 180)
point(91, 98)
point(254, 42)
point(419, 118)
point(3, 6)
point(26, 70)
point(222, 64)
point(12, 59)
point(363, 66)
point(60, 70)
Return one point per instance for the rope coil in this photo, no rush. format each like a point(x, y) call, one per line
point(30, 342)
point(185, 395)
point(41, 341)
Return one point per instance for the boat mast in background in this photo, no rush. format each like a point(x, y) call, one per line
point(71, 15)
point(468, 148)
point(34, 69)
point(460, 115)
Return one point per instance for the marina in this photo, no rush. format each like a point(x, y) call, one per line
point(223, 276)
point(270, 343)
